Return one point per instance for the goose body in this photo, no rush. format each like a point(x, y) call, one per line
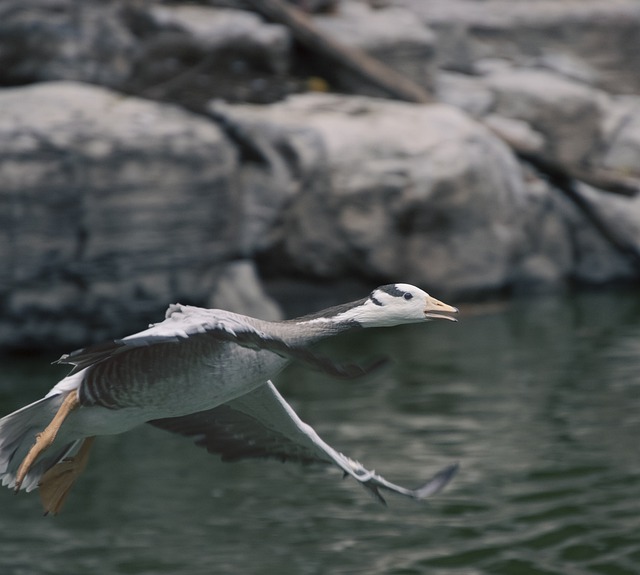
point(205, 374)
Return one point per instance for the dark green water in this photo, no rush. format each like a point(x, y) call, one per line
point(539, 401)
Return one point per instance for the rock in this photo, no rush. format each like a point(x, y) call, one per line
point(113, 206)
point(574, 125)
point(219, 29)
point(392, 35)
point(43, 40)
point(541, 111)
point(595, 261)
point(621, 134)
point(238, 289)
point(538, 274)
point(565, 113)
point(266, 180)
point(418, 193)
point(181, 53)
point(562, 245)
point(453, 48)
point(110, 208)
point(465, 92)
point(389, 190)
point(191, 53)
point(587, 40)
point(546, 261)
point(305, 5)
point(516, 133)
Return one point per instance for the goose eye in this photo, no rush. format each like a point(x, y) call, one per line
point(407, 296)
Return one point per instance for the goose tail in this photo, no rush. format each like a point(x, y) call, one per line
point(18, 432)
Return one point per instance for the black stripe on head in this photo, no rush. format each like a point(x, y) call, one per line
point(392, 290)
point(374, 299)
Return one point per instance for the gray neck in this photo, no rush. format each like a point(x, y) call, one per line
point(314, 327)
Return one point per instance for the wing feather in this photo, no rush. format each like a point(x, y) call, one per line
point(183, 322)
point(262, 424)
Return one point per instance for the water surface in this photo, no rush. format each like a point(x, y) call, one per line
point(538, 399)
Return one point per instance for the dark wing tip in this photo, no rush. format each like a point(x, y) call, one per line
point(373, 489)
point(87, 356)
point(438, 482)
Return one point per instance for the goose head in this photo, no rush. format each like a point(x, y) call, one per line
point(389, 305)
point(396, 304)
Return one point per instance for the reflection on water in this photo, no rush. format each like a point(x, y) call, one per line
point(539, 401)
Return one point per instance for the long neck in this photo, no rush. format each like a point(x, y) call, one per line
point(314, 327)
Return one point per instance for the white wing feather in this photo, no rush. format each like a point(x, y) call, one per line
point(262, 424)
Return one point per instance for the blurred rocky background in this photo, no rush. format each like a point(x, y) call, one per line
point(218, 154)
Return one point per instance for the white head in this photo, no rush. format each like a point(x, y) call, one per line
point(394, 304)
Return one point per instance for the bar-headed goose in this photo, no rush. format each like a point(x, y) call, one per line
point(205, 374)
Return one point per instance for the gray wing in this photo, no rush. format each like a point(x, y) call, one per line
point(185, 322)
point(262, 424)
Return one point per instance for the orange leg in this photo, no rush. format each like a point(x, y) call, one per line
point(58, 481)
point(47, 437)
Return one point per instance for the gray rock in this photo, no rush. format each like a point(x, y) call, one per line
point(563, 245)
point(390, 190)
point(465, 92)
point(595, 260)
point(189, 53)
point(216, 29)
point(588, 40)
point(547, 258)
point(392, 35)
point(181, 53)
point(110, 207)
point(419, 193)
point(543, 112)
point(267, 181)
point(516, 133)
point(621, 132)
point(239, 289)
point(574, 125)
point(43, 40)
point(565, 113)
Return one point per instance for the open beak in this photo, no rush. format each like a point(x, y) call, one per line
point(435, 309)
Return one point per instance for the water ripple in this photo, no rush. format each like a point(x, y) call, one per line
point(539, 401)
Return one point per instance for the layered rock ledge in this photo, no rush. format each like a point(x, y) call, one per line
point(155, 153)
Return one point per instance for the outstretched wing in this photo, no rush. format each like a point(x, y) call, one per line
point(183, 322)
point(262, 424)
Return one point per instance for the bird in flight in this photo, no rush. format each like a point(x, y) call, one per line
point(204, 374)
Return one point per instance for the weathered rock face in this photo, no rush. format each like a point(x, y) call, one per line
point(391, 35)
point(408, 192)
point(569, 123)
point(215, 29)
point(141, 48)
point(589, 40)
point(565, 113)
point(562, 245)
point(238, 289)
point(45, 40)
point(388, 190)
point(110, 208)
point(547, 256)
point(595, 262)
point(621, 131)
point(553, 116)
point(113, 206)
point(214, 53)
